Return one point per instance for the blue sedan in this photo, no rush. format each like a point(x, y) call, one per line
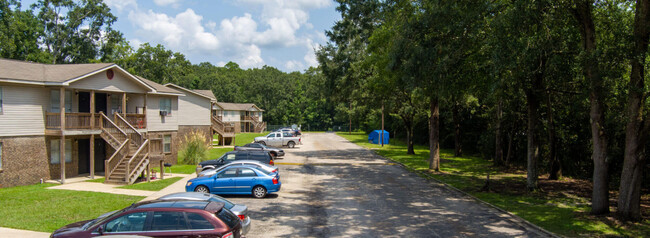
point(237, 180)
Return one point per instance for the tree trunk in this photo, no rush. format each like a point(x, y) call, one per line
point(408, 125)
point(498, 144)
point(532, 96)
point(634, 161)
point(458, 146)
point(600, 193)
point(509, 155)
point(556, 170)
point(434, 134)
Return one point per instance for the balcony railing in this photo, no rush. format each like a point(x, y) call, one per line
point(82, 120)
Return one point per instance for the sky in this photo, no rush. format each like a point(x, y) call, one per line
point(252, 33)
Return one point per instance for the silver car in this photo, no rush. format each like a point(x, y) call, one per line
point(266, 167)
point(240, 210)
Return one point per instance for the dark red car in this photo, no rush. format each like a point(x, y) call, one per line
point(176, 218)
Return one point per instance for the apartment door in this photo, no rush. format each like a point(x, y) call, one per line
point(100, 155)
point(84, 155)
point(101, 103)
point(84, 101)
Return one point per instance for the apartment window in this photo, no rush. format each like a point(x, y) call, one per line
point(0, 104)
point(55, 101)
point(55, 152)
point(166, 105)
point(167, 143)
point(116, 103)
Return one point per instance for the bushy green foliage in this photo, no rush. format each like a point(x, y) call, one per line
point(193, 148)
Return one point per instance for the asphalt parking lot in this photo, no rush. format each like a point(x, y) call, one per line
point(334, 188)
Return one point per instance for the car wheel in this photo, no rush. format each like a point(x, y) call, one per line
point(291, 144)
point(262, 142)
point(201, 189)
point(259, 192)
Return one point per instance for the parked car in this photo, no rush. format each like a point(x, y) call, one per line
point(279, 139)
point(270, 169)
point(241, 179)
point(173, 218)
point(238, 209)
point(228, 157)
point(275, 152)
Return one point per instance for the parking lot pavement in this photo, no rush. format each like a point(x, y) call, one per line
point(334, 188)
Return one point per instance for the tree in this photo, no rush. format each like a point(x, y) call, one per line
point(19, 33)
point(74, 31)
point(638, 125)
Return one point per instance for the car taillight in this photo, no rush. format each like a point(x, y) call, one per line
point(242, 217)
point(275, 170)
point(228, 235)
point(275, 180)
point(272, 163)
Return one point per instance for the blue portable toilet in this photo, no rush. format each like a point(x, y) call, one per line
point(374, 137)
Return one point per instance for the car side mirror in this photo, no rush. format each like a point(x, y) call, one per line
point(100, 230)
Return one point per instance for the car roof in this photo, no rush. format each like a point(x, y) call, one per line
point(186, 204)
point(185, 195)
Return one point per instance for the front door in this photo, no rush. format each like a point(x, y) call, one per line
point(100, 155)
point(101, 103)
point(84, 156)
point(84, 102)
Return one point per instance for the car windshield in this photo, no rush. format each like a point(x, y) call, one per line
point(100, 220)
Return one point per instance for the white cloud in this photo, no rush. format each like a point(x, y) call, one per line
point(293, 65)
point(310, 57)
point(174, 3)
point(183, 32)
point(120, 5)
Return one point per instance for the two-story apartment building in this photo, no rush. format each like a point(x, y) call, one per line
point(58, 121)
point(245, 117)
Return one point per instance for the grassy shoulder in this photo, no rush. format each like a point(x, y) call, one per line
point(559, 211)
point(155, 185)
point(37, 208)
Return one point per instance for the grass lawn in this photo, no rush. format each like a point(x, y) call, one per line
point(156, 185)
point(244, 138)
point(36, 208)
point(178, 169)
point(558, 211)
point(97, 180)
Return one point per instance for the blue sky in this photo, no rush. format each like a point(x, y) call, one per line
point(251, 33)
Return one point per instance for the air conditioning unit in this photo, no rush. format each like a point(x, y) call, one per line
point(163, 113)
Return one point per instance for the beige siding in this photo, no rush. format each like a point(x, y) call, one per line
point(134, 101)
point(155, 122)
point(193, 110)
point(22, 113)
point(119, 83)
point(232, 116)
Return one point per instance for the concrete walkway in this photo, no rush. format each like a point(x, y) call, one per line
point(8, 232)
point(178, 186)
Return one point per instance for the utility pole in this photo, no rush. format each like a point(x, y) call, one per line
point(382, 124)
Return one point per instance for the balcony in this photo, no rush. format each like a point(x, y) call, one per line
point(82, 121)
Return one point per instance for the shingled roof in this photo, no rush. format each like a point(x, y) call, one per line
point(237, 106)
point(207, 93)
point(56, 73)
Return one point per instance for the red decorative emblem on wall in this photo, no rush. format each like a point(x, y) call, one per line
point(110, 74)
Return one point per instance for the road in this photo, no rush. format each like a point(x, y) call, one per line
point(334, 188)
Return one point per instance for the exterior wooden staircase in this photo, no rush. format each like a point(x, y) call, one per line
point(131, 155)
point(260, 126)
point(223, 129)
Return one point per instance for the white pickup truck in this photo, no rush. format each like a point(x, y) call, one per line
point(278, 139)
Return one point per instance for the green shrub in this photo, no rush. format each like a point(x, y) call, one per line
point(193, 148)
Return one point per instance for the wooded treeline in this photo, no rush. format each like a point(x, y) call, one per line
point(557, 87)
